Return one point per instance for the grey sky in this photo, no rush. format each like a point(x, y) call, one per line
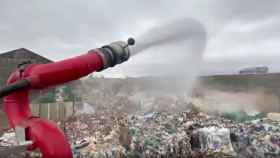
point(240, 33)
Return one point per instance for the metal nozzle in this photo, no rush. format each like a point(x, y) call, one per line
point(116, 52)
point(130, 41)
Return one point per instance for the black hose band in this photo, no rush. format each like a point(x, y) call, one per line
point(112, 54)
point(109, 57)
point(19, 85)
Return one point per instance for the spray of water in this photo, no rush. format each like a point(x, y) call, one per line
point(179, 45)
point(171, 32)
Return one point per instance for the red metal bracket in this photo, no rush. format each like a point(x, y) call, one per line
point(44, 134)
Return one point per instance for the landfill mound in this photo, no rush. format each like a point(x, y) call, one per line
point(148, 117)
point(142, 118)
point(167, 135)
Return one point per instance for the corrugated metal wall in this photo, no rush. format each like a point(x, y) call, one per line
point(58, 111)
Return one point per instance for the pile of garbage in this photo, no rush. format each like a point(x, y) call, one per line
point(166, 135)
point(161, 134)
point(12, 147)
point(8, 139)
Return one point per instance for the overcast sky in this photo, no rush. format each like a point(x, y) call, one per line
point(241, 33)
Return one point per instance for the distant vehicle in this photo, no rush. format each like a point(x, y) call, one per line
point(254, 70)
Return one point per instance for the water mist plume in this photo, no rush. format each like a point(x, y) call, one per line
point(175, 48)
point(170, 32)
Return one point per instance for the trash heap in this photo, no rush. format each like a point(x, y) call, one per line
point(10, 147)
point(8, 139)
point(166, 135)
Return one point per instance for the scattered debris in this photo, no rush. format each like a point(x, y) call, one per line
point(242, 116)
point(215, 140)
point(167, 135)
point(14, 145)
point(274, 116)
point(8, 139)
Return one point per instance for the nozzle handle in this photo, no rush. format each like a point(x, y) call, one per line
point(18, 85)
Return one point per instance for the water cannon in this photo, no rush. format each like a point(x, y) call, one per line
point(103, 58)
point(44, 134)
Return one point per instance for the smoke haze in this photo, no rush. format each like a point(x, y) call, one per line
point(252, 101)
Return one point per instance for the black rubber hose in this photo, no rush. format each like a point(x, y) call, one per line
point(19, 85)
